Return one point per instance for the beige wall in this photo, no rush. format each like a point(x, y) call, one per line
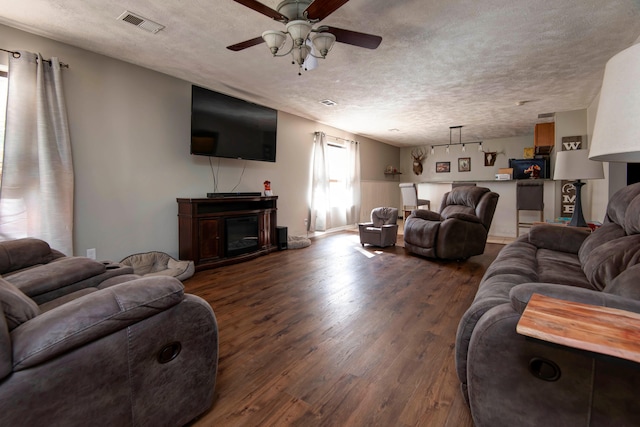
point(507, 148)
point(570, 123)
point(615, 174)
point(130, 131)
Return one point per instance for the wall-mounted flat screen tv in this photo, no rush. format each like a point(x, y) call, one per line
point(224, 126)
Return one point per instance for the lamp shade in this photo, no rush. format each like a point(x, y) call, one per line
point(575, 164)
point(300, 54)
point(616, 133)
point(299, 30)
point(274, 40)
point(324, 42)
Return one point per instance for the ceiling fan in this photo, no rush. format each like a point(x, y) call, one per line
point(300, 16)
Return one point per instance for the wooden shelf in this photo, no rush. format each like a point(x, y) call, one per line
point(587, 327)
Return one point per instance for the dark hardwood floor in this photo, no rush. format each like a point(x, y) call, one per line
point(339, 335)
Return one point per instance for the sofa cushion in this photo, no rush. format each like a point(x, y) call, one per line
point(384, 216)
point(562, 268)
point(17, 307)
point(452, 210)
point(517, 258)
point(602, 235)
point(608, 260)
point(55, 275)
point(466, 196)
point(619, 203)
point(632, 219)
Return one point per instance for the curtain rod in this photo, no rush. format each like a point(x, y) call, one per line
point(17, 55)
point(335, 137)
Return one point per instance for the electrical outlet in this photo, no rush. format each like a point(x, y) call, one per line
point(91, 253)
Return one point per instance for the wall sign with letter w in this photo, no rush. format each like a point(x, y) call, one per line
point(568, 192)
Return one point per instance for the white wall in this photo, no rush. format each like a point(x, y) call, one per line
point(130, 130)
point(507, 148)
point(570, 123)
point(575, 123)
point(615, 174)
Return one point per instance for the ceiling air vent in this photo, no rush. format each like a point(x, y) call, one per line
point(328, 102)
point(140, 22)
point(546, 115)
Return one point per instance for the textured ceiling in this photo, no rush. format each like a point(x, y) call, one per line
point(441, 63)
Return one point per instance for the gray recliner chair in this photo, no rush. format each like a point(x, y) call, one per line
point(459, 231)
point(382, 230)
point(88, 343)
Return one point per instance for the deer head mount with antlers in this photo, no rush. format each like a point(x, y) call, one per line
point(418, 156)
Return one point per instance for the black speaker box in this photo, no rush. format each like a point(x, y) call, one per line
point(282, 237)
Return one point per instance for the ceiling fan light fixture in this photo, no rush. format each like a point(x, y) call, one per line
point(323, 43)
point(299, 17)
point(300, 53)
point(274, 39)
point(299, 31)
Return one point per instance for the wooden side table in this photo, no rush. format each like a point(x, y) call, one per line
point(597, 329)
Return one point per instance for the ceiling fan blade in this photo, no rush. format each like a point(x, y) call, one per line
point(354, 38)
point(245, 44)
point(320, 9)
point(261, 8)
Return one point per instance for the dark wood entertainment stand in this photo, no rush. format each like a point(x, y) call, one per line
point(201, 228)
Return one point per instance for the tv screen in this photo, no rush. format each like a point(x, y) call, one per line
point(224, 126)
point(521, 165)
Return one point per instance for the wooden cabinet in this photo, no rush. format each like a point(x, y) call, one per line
point(209, 239)
point(544, 137)
point(202, 228)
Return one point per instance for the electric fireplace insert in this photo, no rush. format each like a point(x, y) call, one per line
point(241, 235)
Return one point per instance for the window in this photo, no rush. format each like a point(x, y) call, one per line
point(337, 158)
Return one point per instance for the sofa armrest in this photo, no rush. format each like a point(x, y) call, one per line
point(19, 254)
point(521, 294)
point(464, 217)
point(389, 229)
point(426, 215)
point(556, 238)
point(91, 317)
point(55, 275)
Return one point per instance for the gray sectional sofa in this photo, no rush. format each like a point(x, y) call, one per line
point(512, 380)
point(85, 343)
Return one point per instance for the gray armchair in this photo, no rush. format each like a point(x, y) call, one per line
point(382, 230)
point(459, 231)
point(82, 346)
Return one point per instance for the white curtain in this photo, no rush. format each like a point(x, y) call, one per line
point(353, 183)
point(319, 215)
point(320, 218)
point(36, 194)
